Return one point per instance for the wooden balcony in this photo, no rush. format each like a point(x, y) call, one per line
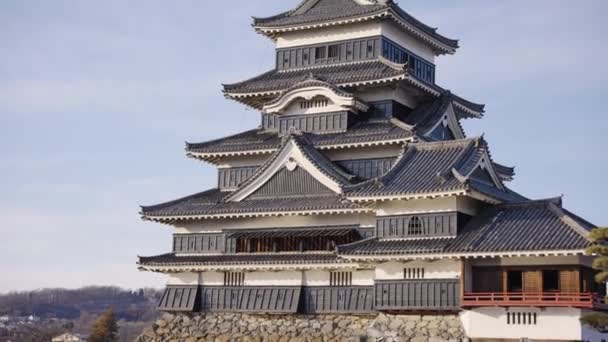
point(540, 299)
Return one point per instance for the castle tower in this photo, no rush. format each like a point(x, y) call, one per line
point(361, 193)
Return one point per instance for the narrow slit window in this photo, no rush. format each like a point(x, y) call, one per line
point(333, 51)
point(413, 273)
point(414, 226)
point(321, 52)
point(340, 279)
point(234, 279)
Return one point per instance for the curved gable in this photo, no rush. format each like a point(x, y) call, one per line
point(312, 94)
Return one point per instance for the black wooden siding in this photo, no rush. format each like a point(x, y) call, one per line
point(439, 224)
point(296, 182)
point(326, 299)
point(179, 298)
point(388, 109)
point(250, 299)
point(349, 50)
point(314, 123)
point(230, 178)
point(368, 168)
point(270, 122)
point(198, 243)
point(431, 294)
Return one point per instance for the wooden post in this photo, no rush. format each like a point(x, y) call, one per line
point(462, 275)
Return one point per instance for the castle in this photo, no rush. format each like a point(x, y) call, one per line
point(360, 193)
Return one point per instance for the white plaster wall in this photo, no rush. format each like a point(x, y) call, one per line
point(321, 278)
point(396, 34)
point(240, 161)
point(330, 34)
point(440, 269)
point(435, 205)
point(316, 278)
point(294, 107)
point(287, 278)
point(185, 278)
point(214, 225)
point(552, 323)
point(364, 278)
point(212, 278)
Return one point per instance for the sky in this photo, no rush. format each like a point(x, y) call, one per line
point(97, 99)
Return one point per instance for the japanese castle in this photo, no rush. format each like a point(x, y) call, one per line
point(360, 193)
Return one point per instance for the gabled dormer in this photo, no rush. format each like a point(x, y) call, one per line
point(296, 169)
point(312, 106)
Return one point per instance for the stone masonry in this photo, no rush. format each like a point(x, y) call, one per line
point(226, 327)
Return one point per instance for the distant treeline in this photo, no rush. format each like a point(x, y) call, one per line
point(69, 304)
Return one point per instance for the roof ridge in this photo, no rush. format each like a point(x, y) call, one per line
point(569, 221)
point(308, 148)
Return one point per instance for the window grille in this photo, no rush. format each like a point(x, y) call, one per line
point(333, 51)
point(414, 227)
point(234, 278)
point(339, 279)
point(521, 318)
point(314, 104)
point(320, 52)
point(413, 273)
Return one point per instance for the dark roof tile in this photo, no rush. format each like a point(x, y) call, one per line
point(241, 259)
point(318, 11)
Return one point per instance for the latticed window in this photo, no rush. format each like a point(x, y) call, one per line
point(415, 227)
point(413, 273)
point(340, 278)
point(234, 278)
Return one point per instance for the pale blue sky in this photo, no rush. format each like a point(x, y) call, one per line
point(97, 99)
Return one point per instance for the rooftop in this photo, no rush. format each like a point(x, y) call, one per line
point(529, 226)
point(439, 167)
point(311, 13)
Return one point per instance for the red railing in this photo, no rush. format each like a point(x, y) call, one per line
point(542, 299)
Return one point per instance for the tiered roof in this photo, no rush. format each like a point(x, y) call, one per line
point(260, 89)
point(441, 168)
point(260, 141)
point(541, 226)
point(322, 13)
point(447, 168)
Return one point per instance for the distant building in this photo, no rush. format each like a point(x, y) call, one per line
point(359, 192)
point(67, 337)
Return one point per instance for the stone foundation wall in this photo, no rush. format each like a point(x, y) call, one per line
point(226, 327)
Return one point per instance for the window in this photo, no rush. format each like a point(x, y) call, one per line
point(413, 273)
point(234, 278)
point(515, 281)
point(414, 227)
point(550, 281)
point(305, 56)
point(521, 318)
point(340, 279)
point(333, 51)
point(320, 52)
point(314, 103)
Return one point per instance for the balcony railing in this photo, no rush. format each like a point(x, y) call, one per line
point(539, 299)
